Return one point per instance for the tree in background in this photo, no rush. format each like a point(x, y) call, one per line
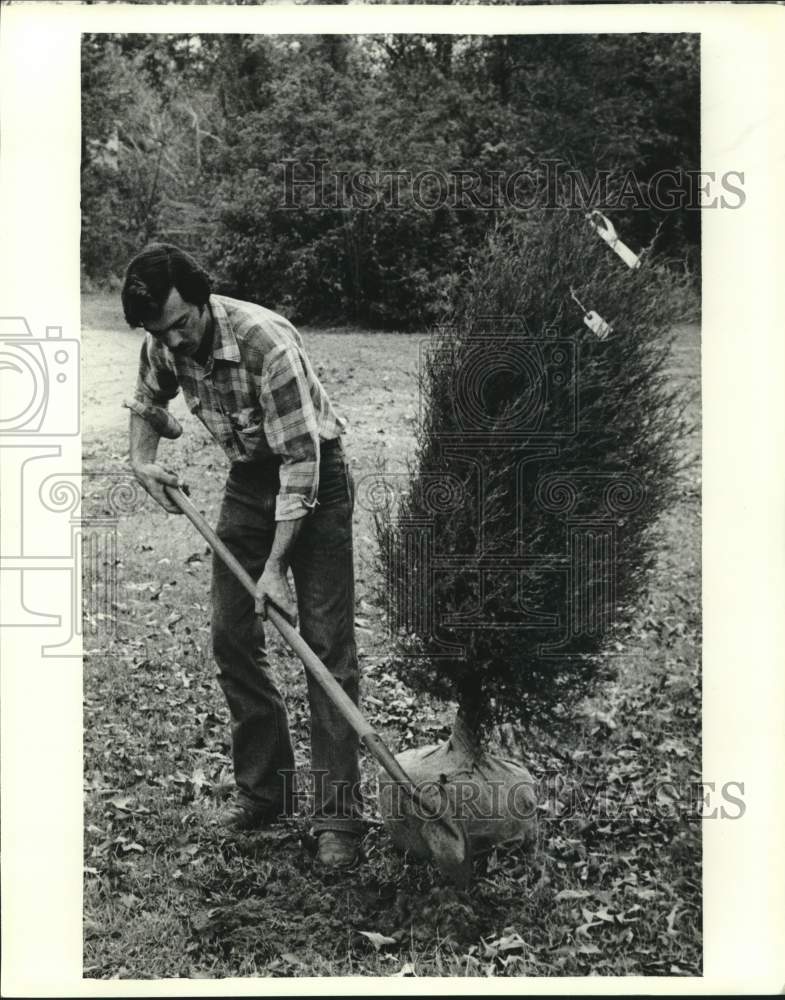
point(145, 127)
point(186, 138)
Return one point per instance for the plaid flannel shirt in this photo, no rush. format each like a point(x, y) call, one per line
point(258, 396)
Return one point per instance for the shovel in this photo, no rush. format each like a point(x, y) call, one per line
point(444, 834)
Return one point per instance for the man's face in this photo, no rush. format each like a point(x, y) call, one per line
point(180, 327)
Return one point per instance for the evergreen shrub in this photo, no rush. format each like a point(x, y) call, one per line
point(545, 456)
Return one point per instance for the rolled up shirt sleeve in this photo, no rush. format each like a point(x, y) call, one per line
point(291, 427)
point(156, 381)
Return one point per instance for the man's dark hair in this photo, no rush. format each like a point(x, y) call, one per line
point(152, 275)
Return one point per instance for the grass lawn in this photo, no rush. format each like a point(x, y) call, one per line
point(613, 890)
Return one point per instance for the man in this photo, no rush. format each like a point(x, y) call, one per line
point(288, 502)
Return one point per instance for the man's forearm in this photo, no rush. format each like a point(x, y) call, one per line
point(272, 584)
point(286, 533)
point(143, 441)
point(143, 449)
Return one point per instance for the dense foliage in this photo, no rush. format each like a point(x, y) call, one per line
point(545, 457)
point(188, 137)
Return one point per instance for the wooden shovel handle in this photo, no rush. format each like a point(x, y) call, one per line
point(312, 663)
point(370, 738)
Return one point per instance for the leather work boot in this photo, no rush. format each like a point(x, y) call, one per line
point(337, 849)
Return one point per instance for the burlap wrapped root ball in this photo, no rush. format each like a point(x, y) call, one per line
point(496, 797)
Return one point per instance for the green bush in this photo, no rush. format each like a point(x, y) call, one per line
point(487, 497)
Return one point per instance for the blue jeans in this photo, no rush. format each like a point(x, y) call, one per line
point(323, 570)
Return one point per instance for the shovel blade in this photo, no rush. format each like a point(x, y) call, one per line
point(449, 846)
point(429, 815)
point(426, 812)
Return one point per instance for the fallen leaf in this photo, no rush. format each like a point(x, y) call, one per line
point(124, 804)
point(511, 942)
point(572, 894)
point(378, 940)
point(198, 779)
